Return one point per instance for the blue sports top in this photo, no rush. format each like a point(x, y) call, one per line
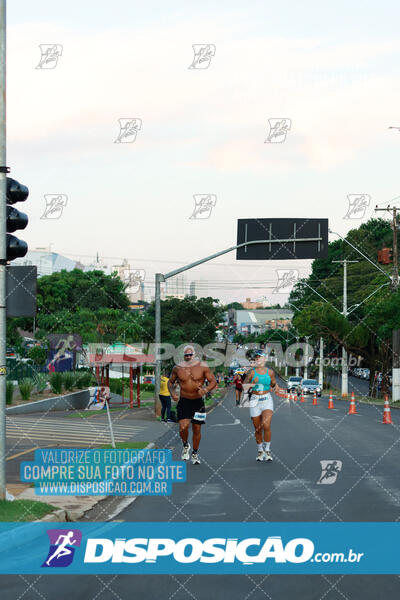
point(264, 381)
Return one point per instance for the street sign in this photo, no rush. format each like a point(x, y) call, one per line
point(287, 239)
point(21, 291)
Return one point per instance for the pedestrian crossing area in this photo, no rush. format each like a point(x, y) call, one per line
point(64, 431)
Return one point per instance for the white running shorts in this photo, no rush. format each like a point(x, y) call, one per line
point(260, 403)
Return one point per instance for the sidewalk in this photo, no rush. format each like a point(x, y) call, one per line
point(148, 429)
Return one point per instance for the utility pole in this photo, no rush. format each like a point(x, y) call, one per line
point(345, 368)
point(395, 285)
point(287, 344)
point(321, 360)
point(297, 368)
point(307, 337)
point(3, 252)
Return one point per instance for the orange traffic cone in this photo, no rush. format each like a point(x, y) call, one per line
point(302, 396)
point(330, 403)
point(314, 402)
point(352, 407)
point(294, 397)
point(387, 415)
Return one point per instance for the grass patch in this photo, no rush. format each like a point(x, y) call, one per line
point(359, 398)
point(128, 445)
point(23, 510)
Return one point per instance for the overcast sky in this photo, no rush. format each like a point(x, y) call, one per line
point(331, 68)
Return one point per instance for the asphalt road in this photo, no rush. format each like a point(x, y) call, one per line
point(231, 486)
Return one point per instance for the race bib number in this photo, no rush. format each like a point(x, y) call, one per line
point(199, 416)
point(262, 398)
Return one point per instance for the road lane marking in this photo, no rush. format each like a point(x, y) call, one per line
point(23, 452)
point(236, 422)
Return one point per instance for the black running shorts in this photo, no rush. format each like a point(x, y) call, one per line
point(186, 408)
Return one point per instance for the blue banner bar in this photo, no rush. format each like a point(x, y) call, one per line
point(204, 548)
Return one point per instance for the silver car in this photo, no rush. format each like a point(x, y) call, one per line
point(308, 386)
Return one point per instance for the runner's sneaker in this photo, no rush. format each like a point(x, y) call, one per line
point(268, 455)
point(195, 459)
point(260, 455)
point(186, 452)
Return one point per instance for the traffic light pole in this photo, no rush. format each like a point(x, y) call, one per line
point(395, 286)
point(157, 298)
point(3, 218)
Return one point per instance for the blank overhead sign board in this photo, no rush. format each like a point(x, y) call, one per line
point(282, 239)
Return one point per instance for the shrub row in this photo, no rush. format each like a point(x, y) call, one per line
point(58, 382)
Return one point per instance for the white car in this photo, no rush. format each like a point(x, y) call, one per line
point(292, 383)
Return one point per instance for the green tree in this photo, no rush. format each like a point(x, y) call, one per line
point(189, 320)
point(14, 338)
point(104, 325)
point(235, 305)
point(77, 289)
point(367, 329)
point(38, 354)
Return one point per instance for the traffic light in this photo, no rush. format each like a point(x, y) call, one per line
point(16, 192)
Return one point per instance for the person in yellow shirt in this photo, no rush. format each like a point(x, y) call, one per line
point(165, 399)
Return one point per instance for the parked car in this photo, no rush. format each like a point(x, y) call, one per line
point(292, 383)
point(10, 352)
point(365, 374)
point(148, 379)
point(309, 386)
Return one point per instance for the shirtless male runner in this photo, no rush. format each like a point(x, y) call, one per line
point(191, 374)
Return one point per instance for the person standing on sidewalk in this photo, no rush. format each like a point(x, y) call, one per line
point(191, 375)
point(165, 399)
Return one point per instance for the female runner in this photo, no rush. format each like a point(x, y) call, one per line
point(259, 381)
